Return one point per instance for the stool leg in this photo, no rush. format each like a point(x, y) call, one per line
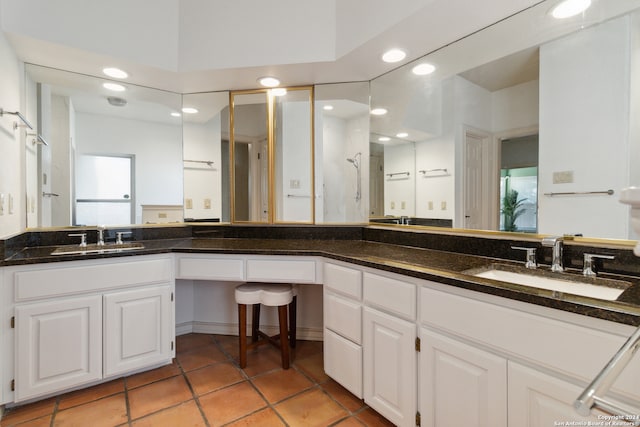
point(284, 345)
point(293, 310)
point(242, 333)
point(255, 322)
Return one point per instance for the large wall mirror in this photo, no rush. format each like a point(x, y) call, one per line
point(113, 158)
point(524, 126)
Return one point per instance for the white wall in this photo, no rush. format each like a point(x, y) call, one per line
point(515, 107)
point(434, 188)
point(12, 160)
point(399, 190)
point(158, 155)
point(584, 118)
point(201, 181)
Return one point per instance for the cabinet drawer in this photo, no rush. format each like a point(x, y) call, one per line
point(576, 351)
point(343, 362)
point(210, 268)
point(344, 280)
point(389, 294)
point(81, 278)
point(343, 316)
point(285, 270)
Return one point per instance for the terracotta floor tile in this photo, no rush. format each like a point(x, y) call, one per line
point(184, 415)
point(307, 348)
point(312, 408)
point(343, 396)
point(149, 377)
point(159, 395)
point(373, 419)
point(188, 342)
point(213, 377)
point(264, 418)
point(350, 422)
point(278, 385)
point(231, 403)
point(108, 412)
point(313, 366)
point(38, 422)
point(200, 357)
point(262, 360)
point(27, 412)
point(90, 394)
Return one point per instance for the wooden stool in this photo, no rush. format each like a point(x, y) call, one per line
point(273, 295)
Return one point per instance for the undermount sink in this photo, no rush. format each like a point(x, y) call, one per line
point(605, 289)
point(96, 249)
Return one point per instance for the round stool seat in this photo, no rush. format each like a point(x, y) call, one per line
point(265, 294)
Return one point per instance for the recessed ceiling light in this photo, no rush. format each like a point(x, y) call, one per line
point(176, 114)
point(402, 134)
point(268, 81)
point(116, 73)
point(189, 110)
point(423, 69)
point(384, 139)
point(569, 8)
point(328, 107)
point(116, 101)
point(114, 87)
point(394, 55)
point(379, 111)
point(280, 91)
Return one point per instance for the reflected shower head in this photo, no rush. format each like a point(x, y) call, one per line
point(355, 160)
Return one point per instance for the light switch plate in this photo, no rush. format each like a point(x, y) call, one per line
point(207, 203)
point(563, 177)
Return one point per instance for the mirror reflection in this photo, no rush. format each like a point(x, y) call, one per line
point(524, 126)
point(113, 158)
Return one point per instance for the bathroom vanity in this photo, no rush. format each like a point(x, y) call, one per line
point(405, 326)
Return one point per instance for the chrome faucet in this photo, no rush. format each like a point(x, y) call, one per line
point(555, 242)
point(100, 241)
point(531, 256)
point(588, 270)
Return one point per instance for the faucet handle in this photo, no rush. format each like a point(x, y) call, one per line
point(119, 235)
point(531, 256)
point(83, 238)
point(587, 270)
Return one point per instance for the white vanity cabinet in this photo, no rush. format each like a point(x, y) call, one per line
point(342, 314)
point(389, 347)
point(461, 384)
point(80, 322)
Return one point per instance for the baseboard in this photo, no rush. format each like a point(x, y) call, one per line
point(307, 334)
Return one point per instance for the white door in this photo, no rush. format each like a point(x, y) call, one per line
point(58, 345)
point(390, 366)
point(540, 400)
point(138, 328)
point(460, 385)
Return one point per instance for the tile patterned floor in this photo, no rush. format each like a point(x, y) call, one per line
point(205, 387)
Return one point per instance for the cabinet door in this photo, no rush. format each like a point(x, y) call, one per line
point(59, 345)
point(537, 399)
point(138, 329)
point(343, 362)
point(390, 366)
point(461, 385)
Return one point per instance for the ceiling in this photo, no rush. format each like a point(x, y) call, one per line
point(191, 46)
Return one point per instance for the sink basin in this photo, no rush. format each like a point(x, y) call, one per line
point(605, 289)
point(96, 249)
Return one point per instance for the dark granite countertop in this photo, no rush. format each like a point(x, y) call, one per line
point(440, 266)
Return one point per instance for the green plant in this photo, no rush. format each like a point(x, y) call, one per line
point(511, 209)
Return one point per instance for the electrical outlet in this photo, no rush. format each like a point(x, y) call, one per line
point(430, 205)
point(162, 215)
point(393, 205)
point(443, 205)
point(294, 183)
point(403, 205)
point(207, 203)
point(10, 204)
point(188, 203)
point(1, 204)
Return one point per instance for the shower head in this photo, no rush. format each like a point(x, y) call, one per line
point(355, 160)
